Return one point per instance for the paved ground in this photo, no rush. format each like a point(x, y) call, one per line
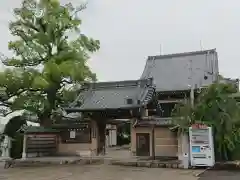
point(95, 172)
point(119, 152)
point(220, 175)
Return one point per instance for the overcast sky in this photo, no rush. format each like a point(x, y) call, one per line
point(131, 30)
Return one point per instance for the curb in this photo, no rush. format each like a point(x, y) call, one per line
point(39, 163)
point(148, 164)
point(201, 173)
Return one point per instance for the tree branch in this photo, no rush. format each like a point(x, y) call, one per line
point(67, 81)
point(30, 25)
point(44, 28)
point(11, 95)
point(5, 104)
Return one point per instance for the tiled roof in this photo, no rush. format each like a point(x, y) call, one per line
point(114, 95)
point(233, 82)
point(38, 129)
point(157, 121)
point(173, 71)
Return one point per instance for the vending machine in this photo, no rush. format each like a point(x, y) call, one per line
point(201, 146)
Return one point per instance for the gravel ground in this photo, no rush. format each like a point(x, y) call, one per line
point(95, 172)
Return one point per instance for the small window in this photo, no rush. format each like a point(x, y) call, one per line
point(129, 101)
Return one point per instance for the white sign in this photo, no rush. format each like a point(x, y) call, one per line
point(72, 134)
point(201, 146)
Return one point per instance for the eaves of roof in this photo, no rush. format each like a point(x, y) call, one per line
point(79, 109)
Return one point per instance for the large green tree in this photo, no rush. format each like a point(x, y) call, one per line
point(45, 59)
point(216, 108)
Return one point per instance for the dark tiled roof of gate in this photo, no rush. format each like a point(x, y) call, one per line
point(38, 129)
point(113, 95)
point(172, 72)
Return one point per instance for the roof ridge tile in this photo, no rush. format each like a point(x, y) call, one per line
point(117, 84)
point(181, 54)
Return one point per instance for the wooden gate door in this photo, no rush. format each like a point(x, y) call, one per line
point(143, 144)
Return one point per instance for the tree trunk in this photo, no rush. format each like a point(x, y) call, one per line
point(45, 119)
point(46, 122)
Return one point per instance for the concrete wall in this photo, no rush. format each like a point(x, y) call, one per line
point(183, 145)
point(76, 148)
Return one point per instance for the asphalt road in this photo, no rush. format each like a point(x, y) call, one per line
point(220, 175)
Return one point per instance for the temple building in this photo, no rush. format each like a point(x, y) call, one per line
point(177, 77)
point(104, 103)
point(147, 102)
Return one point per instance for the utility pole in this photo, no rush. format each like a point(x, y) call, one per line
point(191, 84)
point(184, 137)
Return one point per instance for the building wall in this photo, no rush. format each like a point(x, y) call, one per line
point(76, 148)
point(183, 145)
point(32, 149)
point(166, 142)
point(133, 137)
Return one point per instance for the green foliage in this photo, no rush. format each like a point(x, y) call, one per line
point(123, 134)
point(45, 60)
point(69, 94)
point(182, 117)
point(214, 107)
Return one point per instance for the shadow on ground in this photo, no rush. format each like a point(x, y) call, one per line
point(220, 175)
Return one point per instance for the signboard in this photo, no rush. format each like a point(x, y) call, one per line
point(199, 126)
point(201, 145)
point(72, 134)
point(157, 122)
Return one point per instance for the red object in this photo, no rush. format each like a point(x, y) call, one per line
point(199, 126)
